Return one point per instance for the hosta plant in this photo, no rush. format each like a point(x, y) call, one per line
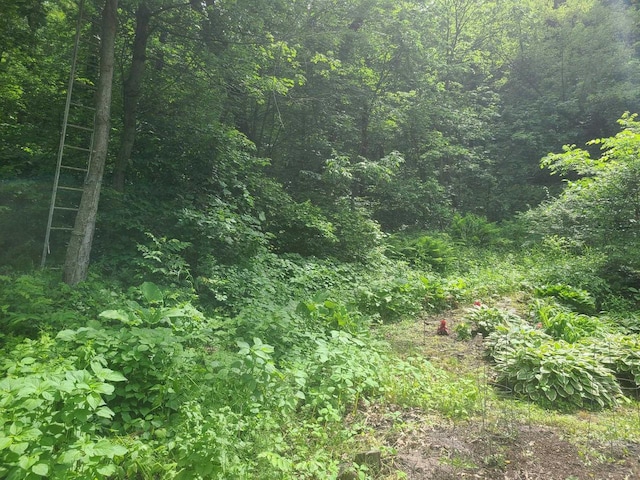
point(558, 375)
point(485, 320)
point(620, 353)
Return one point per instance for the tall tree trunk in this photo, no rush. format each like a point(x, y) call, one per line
point(132, 95)
point(77, 260)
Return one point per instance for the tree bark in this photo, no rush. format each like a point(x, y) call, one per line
point(132, 95)
point(77, 259)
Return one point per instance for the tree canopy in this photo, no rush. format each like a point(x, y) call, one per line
point(328, 118)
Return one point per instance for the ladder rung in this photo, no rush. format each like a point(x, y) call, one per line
point(79, 127)
point(69, 229)
point(82, 149)
point(73, 189)
point(69, 209)
point(73, 168)
point(81, 106)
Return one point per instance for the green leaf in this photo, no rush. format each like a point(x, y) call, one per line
point(551, 394)
point(105, 412)
point(69, 457)
point(107, 470)
point(107, 374)
point(113, 376)
point(31, 404)
point(151, 292)
point(104, 448)
point(41, 469)
point(19, 448)
point(94, 400)
point(31, 434)
point(5, 442)
point(66, 335)
point(124, 317)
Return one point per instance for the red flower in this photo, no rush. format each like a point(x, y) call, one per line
point(442, 329)
point(477, 303)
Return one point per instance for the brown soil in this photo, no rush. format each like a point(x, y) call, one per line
point(425, 446)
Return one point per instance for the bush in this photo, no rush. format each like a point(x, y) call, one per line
point(330, 314)
point(504, 338)
point(540, 364)
point(622, 271)
point(392, 299)
point(575, 298)
point(557, 375)
point(358, 237)
point(415, 382)
point(559, 262)
point(563, 324)
point(485, 320)
point(53, 415)
point(151, 347)
point(30, 304)
point(472, 229)
point(620, 353)
point(422, 251)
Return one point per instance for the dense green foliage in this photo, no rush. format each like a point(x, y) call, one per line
point(301, 173)
point(110, 382)
point(308, 127)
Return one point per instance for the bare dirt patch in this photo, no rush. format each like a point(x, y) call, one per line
point(529, 452)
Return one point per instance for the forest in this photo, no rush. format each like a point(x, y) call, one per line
point(320, 239)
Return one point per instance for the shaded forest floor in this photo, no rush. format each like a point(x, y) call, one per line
point(507, 439)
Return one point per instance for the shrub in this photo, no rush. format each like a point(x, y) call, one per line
point(341, 370)
point(391, 299)
point(485, 320)
point(23, 215)
point(330, 314)
point(294, 227)
point(557, 262)
point(150, 346)
point(422, 251)
point(625, 322)
point(53, 415)
point(622, 271)
point(437, 294)
point(463, 331)
point(577, 299)
point(506, 337)
point(358, 237)
point(563, 324)
point(620, 353)
point(32, 303)
point(472, 229)
point(557, 375)
point(203, 446)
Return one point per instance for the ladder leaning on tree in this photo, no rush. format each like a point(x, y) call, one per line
point(76, 139)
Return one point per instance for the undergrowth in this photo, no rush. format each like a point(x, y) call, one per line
point(248, 370)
